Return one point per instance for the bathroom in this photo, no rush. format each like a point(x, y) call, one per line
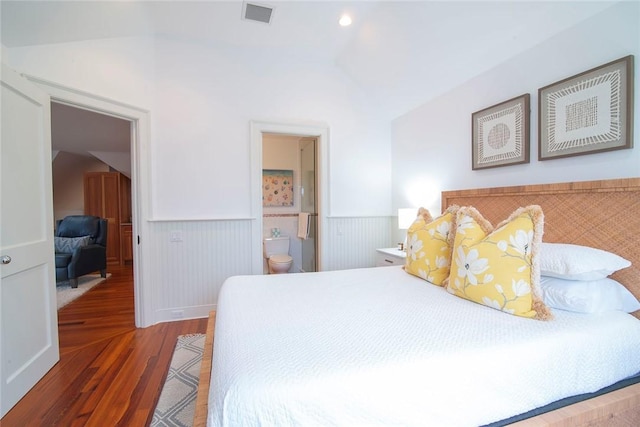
point(290, 161)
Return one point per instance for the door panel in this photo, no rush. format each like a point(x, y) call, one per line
point(17, 356)
point(29, 329)
point(308, 200)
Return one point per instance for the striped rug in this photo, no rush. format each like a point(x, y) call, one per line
point(177, 403)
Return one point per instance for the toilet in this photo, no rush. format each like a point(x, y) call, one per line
point(276, 252)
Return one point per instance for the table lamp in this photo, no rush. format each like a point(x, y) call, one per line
point(406, 216)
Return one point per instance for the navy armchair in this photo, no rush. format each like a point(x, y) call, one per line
point(81, 247)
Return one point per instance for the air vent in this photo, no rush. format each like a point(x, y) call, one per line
point(256, 12)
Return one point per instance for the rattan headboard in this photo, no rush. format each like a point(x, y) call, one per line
point(600, 214)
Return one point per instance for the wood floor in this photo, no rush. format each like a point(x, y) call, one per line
point(109, 373)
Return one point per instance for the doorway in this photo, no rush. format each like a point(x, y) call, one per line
point(88, 147)
point(139, 141)
point(321, 200)
point(289, 196)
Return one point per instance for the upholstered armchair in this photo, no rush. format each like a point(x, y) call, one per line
point(81, 247)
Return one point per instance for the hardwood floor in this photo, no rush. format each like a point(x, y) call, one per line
point(109, 373)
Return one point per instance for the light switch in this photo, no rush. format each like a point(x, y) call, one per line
point(175, 236)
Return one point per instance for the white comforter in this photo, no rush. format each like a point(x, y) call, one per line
point(381, 347)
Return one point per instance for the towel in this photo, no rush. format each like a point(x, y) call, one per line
point(303, 225)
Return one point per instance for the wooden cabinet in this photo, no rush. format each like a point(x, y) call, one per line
point(108, 195)
point(126, 244)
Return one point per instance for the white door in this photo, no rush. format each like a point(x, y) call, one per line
point(29, 319)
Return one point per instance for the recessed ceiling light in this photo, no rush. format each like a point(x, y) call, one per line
point(345, 20)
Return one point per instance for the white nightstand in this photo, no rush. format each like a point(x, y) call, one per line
point(390, 256)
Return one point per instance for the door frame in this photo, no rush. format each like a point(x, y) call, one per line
point(321, 133)
point(140, 182)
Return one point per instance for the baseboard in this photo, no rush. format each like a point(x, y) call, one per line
point(183, 313)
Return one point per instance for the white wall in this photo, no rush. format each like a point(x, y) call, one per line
point(205, 99)
point(119, 69)
point(4, 53)
point(201, 101)
point(431, 145)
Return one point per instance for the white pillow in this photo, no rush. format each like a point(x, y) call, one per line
point(592, 296)
point(575, 262)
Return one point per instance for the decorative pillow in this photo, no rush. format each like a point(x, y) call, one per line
point(499, 268)
point(575, 262)
point(429, 246)
point(69, 244)
point(587, 296)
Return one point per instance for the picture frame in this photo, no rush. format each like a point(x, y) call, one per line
point(277, 188)
point(590, 112)
point(500, 134)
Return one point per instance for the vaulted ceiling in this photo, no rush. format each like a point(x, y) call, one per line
point(403, 53)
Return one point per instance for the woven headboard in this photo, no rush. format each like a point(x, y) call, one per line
point(600, 214)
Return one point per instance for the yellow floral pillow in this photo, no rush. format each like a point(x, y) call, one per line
point(429, 246)
point(499, 268)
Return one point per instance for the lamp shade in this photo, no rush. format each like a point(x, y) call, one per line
point(406, 216)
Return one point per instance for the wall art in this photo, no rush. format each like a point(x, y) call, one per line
point(277, 188)
point(500, 134)
point(588, 113)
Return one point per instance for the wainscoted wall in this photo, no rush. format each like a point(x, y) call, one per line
point(353, 240)
point(195, 257)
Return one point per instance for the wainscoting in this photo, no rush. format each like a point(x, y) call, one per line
point(353, 241)
point(187, 274)
point(189, 260)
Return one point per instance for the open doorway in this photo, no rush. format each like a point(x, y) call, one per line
point(91, 168)
point(139, 139)
point(320, 136)
point(289, 198)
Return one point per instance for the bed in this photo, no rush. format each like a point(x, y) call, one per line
point(339, 363)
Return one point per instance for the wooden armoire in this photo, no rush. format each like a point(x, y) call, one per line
point(108, 195)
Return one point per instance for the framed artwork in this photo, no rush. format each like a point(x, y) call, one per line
point(588, 113)
point(500, 134)
point(277, 188)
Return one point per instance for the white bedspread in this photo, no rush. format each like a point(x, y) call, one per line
point(381, 347)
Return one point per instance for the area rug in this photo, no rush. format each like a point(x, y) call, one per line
point(177, 403)
point(65, 293)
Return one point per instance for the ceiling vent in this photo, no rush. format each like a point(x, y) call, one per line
point(257, 12)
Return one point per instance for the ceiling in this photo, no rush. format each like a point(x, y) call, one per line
point(78, 131)
point(402, 53)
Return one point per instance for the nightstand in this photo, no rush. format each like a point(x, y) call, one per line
point(390, 256)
